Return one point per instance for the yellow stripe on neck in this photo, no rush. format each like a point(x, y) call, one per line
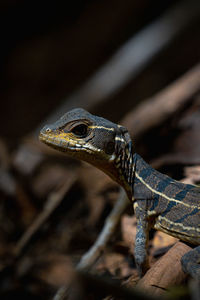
point(163, 195)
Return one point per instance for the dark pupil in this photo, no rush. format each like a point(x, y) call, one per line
point(80, 130)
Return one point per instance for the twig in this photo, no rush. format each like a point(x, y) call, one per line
point(84, 280)
point(104, 285)
point(52, 202)
point(128, 62)
point(90, 257)
point(161, 106)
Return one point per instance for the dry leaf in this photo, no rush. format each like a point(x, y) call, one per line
point(128, 228)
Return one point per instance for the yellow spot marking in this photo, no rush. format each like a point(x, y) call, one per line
point(119, 139)
point(163, 195)
point(135, 205)
point(151, 213)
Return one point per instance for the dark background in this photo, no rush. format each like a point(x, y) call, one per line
point(50, 48)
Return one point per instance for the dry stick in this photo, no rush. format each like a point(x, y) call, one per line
point(160, 107)
point(52, 202)
point(90, 257)
point(131, 59)
point(101, 284)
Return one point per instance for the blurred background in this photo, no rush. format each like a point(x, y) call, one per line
point(109, 57)
point(51, 49)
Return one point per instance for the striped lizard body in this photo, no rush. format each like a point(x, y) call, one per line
point(158, 200)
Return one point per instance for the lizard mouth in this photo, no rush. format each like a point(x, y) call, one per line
point(59, 143)
point(67, 145)
point(77, 149)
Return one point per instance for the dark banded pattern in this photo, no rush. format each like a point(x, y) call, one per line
point(158, 200)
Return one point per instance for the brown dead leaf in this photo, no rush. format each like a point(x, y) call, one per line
point(132, 280)
point(99, 189)
point(55, 270)
point(166, 272)
point(192, 174)
point(116, 264)
point(128, 228)
point(162, 240)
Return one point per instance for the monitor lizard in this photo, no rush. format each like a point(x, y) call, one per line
point(158, 200)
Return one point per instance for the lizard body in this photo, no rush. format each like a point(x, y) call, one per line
point(158, 200)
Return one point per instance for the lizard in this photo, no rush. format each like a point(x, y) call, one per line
point(159, 201)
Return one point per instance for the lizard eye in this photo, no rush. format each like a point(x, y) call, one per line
point(80, 130)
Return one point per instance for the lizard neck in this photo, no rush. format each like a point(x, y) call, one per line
point(126, 164)
point(136, 176)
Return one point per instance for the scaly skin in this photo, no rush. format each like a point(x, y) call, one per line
point(158, 200)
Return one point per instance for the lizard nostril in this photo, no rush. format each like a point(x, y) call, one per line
point(46, 130)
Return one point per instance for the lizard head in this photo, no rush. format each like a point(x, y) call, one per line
point(89, 138)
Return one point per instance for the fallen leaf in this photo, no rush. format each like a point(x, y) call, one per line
point(128, 229)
